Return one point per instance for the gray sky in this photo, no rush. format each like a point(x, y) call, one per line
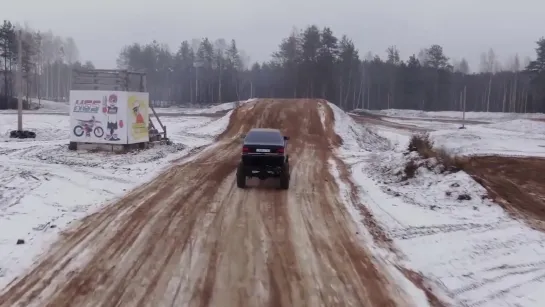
point(465, 28)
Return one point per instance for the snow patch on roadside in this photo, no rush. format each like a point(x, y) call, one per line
point(385, 258)
point(321, 110)
point(215, 127)
point(356, 137)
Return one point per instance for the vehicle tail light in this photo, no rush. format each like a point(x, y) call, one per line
point(245, 149)
point(280, 150)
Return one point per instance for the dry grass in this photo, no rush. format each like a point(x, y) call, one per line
point(422, 144)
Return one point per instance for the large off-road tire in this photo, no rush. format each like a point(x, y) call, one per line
point(285, 177)
point(241, 177)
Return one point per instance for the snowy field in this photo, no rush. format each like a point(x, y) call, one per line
point(519, 137)
point(62, 108)
point(427, 124)
point(501, 136)
point(471, 252)
point(44, 187)
point(485, 116)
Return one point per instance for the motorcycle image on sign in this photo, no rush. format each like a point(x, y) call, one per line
point(86, 126)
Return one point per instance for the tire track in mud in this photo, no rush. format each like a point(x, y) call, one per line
point(191, 238)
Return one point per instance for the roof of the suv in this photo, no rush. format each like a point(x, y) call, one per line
point(264, 130)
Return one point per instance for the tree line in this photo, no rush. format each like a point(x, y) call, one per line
point(311, 62)
point(315, 63)
point(47, 63)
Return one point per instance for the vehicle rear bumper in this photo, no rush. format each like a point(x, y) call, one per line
point(262, 166)
point(263, 160)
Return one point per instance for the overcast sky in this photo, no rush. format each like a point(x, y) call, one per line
point(465, 28)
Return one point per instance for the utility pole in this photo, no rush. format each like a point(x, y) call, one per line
point(464, 112)
point(197, 64)
point(19, 79)
point(61, 61)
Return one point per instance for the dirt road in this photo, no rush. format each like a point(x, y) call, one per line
point(374, 119)
point(517, 183)
point(192, 238)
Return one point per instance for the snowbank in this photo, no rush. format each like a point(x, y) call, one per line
point(44, 187)
point(356, 137)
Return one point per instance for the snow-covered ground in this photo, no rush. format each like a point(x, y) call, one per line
point(471, 252)
point(52, 107)
point(486, 116)
point(359, 142)
point(519, 137)
point(44, 187)
point(223, 107)
point(501, 136)
point(46, 107)
point(428, 124)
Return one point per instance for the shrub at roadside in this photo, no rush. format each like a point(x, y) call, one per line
point(423, 146)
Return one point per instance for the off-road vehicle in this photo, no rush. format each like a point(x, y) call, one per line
point(264, 156)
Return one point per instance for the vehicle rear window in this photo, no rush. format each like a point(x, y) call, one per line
point(264, 136)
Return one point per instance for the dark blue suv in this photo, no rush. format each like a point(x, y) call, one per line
point(264, 156)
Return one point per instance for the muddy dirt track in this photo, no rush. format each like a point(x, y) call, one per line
point(192, 238)
point(374, 119)
point(517, 183)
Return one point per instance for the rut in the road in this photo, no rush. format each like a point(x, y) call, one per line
point(191, 238)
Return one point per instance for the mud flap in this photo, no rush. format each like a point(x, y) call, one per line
point(241, 177)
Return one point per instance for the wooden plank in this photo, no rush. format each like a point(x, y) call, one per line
point(89, 80)
point(107, 72)
point(97, 87)
point(126, 81)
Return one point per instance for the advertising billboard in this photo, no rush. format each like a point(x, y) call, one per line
point(137, 117)
point(98, 117)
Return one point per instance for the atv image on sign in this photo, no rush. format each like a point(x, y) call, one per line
point(264, 156)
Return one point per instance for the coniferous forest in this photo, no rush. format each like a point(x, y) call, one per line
point(310, 63)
